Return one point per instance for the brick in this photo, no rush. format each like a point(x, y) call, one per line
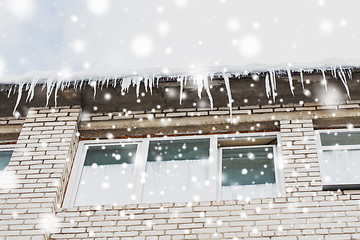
point(219, 112)
point(265, 110)
point(176, 114)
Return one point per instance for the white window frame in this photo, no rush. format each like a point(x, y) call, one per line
point(7, 147)
point(141, 158)
point(320, 149)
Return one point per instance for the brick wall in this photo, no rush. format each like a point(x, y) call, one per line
point(305, 212)
point(127, 114)
point(38, 171)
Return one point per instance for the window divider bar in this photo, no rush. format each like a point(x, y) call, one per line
point(213, 168)
point(140, 169)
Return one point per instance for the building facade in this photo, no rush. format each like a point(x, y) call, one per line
point(314, 145)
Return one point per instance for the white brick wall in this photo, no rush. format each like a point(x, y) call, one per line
point(40, 166)
point(305, 212)
point(218, 111)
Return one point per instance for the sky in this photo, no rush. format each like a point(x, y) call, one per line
point(112, 35)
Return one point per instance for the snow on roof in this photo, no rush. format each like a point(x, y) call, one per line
point(54, 81)
point(279, 69)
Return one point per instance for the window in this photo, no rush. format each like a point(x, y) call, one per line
point(5, 155)
point(175, 169)
point(339, 153)
point(248, 172)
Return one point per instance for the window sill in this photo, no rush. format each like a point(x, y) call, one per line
point(335, 187)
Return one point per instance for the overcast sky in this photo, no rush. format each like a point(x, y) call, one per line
point(107, 35)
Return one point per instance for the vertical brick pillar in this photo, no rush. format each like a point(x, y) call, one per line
point(38, 171)
point(301, 166)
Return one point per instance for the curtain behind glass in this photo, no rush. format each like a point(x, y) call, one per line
point(342, 166)
point(107, 175)
point(248, 173)
point(106, 184)
point(177, 171)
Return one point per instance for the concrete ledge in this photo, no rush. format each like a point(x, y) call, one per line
point(211, 124)
point(9, 133)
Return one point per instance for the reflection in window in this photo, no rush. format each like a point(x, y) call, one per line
point(4, 159)
point(177, 170)
point(340, 138)
point(107, 175)
point(248, 172)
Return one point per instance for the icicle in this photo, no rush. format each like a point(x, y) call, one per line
point(325, 82)
point(58, 83)
point(101, 83)
point(273, 83)
point(81, 84)
point(228, 90)
point(342, 73)
point(344, 81)
point(290, 82)
point(49, 88)
point(137, 84)
point(181, 88)
point(11, 87)
point(302, 79)
point(93, 84)
point(27, 86)
point(19, 97)
point(125, 84)
point(211, 75)
point(115, 82)
point(333, 72)
point(207, 89)
point(31, 90)
point(76, 83)
point(62, 86)
point(267, 85)
point(146, 83)
point(199, 82)
point(151, 84)
point(350, 74)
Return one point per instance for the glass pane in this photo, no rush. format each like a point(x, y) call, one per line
point(107, 175)
point(177, 171)
point(340, 138)
point(4, 159)
point(342, 166)
point(248, 172)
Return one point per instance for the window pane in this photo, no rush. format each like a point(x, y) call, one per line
point(248, 172)
point(177, 171)
point(107, 175)
point(342, 166)
point(340, 138)
point(4, 159)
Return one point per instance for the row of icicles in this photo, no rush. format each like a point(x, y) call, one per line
point(200, 80)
